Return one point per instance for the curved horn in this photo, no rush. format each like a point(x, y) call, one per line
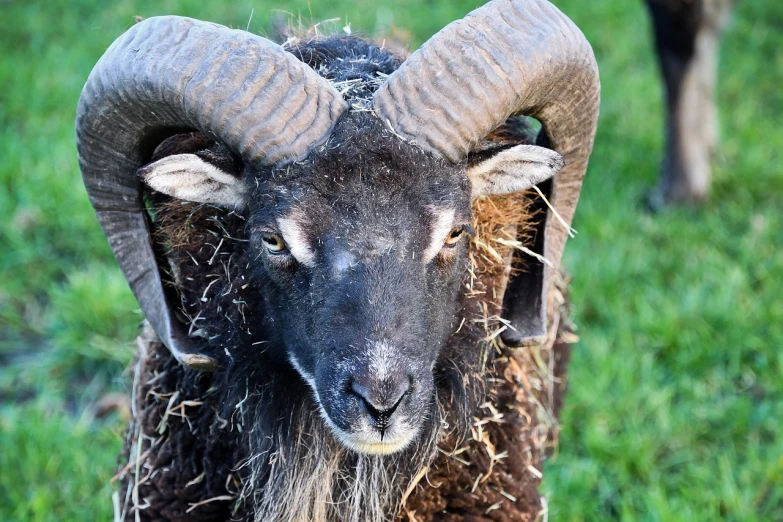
point(506, 58)
point(172, 73)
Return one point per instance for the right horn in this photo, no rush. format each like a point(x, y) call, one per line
point(507, 58)
point(170, 74)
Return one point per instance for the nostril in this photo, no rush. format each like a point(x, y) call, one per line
point(378, 404)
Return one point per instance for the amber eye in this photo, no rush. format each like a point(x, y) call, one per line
point(454, 236)
point(273, 243)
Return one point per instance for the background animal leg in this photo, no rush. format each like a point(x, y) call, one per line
point(687, 36)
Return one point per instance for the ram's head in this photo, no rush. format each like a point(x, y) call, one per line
point(356, 213)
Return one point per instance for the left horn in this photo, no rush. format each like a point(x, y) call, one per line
point(169, 74)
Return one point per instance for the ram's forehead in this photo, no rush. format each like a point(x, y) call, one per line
point(365, 191)
point(350, 199)
point(362, 152)
point(352, 223)
point(371, 188)
point(341, 240)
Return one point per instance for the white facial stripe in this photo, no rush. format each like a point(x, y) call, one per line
point(341, 263)
point(306, 376)
point(382, 360)
point(443, 222)
point(296, 241)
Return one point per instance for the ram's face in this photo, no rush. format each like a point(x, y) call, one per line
point(360, 258)
point(358, 253)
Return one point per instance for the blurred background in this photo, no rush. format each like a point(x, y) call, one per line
point(676, 388)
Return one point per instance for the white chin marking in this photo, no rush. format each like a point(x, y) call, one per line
point(376, 448)
point(367, 439)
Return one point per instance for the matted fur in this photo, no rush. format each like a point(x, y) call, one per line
point(188, 450)
point(494, 473)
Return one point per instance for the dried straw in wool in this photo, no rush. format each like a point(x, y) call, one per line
point(182, 457)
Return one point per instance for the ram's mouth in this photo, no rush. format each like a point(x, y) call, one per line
point(369, 440)
point(372, 445)
point(378, 448)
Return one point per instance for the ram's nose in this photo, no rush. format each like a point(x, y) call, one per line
point(381, 397)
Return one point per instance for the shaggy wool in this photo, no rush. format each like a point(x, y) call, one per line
point(184, 458)
point(183, 462)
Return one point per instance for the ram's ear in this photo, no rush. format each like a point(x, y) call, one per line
point(191, 177)
point(513, 169)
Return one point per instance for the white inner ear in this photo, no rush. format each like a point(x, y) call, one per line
point(514, 169)
point(188, 177)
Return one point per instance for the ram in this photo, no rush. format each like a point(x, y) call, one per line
point(348, 262)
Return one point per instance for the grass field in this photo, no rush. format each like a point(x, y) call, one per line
point(676, 390)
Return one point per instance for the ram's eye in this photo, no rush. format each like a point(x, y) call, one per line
point(273, 243)
point(454, 236)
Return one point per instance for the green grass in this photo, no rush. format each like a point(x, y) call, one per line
point(56, 465)
point(676, 389)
